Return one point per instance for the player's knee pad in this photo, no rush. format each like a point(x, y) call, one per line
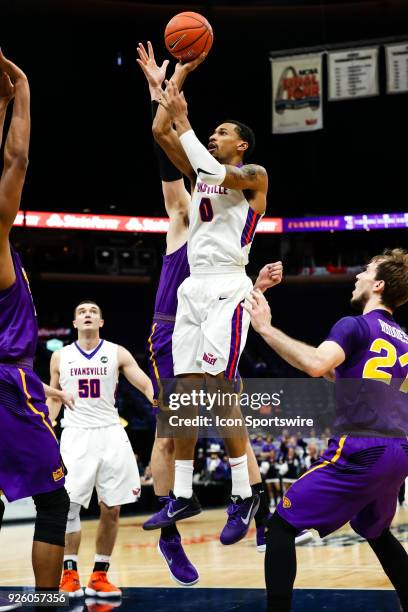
point(51, 521)
point(2, 507)
point(74, 522)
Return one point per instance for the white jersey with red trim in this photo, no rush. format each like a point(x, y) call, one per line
point(92, 378)
point(222, 227)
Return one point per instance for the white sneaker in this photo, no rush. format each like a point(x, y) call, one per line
point(304, 536)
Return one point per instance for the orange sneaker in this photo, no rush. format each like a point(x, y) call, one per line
point(100, 586)
point(70, 584)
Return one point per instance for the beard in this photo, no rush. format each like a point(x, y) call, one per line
point(359, 302)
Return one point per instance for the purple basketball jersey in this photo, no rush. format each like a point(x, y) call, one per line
point(18, 321)
point(174, 271)
point(372, 384)
point(30, 461)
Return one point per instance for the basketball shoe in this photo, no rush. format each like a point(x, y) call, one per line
point(175, 509)
point(180, 567)
point(8, 605)
point(100, 586)
point(302, 537)
point(240, 514)
point(70, 584)
point(101, 605)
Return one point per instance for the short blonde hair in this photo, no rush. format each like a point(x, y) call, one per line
point(392, 268)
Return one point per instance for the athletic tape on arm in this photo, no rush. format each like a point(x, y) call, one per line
point(207, 168)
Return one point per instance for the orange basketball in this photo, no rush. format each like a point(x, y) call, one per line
point(188, 35)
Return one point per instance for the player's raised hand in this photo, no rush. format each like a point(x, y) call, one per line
point(173, 101)
point(269, 276)
point(12, 70)
point(259, 310)
point(154, 74)
point(188, 67)
point(68, 400)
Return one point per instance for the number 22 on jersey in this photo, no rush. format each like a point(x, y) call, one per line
point(376, 367)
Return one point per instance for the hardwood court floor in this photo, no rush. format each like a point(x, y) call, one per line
point(340, 561)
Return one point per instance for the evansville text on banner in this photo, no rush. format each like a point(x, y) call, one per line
point(297, 93)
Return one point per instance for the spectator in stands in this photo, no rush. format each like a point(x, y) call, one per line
point(289, 469)
point(312, 456)
point(147, 478)
point(270, 475)
point(257, 444)
point(301, 442)
point(267, 447)
point(283, 450)
point(213, 460)
point(200, 464)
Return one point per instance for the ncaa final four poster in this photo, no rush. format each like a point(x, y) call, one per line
point(297, 93)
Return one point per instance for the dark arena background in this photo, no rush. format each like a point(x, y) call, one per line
point(92, 162)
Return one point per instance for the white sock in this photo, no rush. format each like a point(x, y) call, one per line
point(240, 477)
point(183, 478)
point(102, 558)
point(71, 558)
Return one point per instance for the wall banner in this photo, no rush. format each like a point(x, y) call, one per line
point(353, 74)
point(297, 93)
point(397, 68)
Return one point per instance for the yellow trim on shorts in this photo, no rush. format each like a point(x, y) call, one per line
point(32, 407)
point(153, 360)
point(335, 458)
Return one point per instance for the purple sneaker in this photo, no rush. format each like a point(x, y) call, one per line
point(5, 604)
point(175, 509)
point(180, 568)
point(240, 514)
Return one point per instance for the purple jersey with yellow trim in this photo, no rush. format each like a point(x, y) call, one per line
point(30, 461)
point(376, 350)
point(175, 270)
point(18, 321)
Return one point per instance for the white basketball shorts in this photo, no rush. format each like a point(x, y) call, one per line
point(100, 457)
point(211, 324)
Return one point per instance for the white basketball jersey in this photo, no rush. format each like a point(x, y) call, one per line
point(92, 379)
point(222, 227)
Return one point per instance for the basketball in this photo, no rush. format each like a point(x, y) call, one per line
point(187, 35)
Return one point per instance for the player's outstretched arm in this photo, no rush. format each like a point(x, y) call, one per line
point(15, 165)
point(163, 130)
point(176, 198)
point(314, 361)
point(16, 146)
point(269, 276)
point(6, 95)
point(134, 374)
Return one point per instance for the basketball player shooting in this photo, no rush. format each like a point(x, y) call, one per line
point(174, 271)
point(30, 461)
point(211, 325)
point(94, 445)
point(360, 474)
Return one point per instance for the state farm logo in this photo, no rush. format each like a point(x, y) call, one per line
point(208, 358)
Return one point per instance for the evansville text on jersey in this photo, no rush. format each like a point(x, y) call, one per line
point(88, 371)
